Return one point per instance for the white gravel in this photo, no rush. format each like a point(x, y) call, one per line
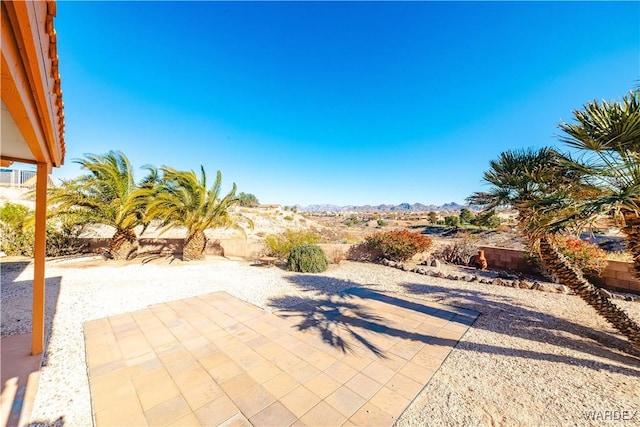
point(531, 358)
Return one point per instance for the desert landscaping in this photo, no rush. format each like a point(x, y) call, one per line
point(530, 358)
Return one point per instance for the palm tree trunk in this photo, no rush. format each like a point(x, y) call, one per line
point(573, 278)
point(194, 246)
point(631, 229)
point(124, 244)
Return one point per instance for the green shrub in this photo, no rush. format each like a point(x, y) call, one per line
point(280, 245)
point(288, 218)
point(488, 219)
point(17, 237)
point(398, 245)
point(381, 222)
point(351, 221)
point(466, 216)
point(307, 259)
point(452, 221)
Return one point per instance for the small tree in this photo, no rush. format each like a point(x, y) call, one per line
point(452, 221)
point(433, 217)
point(466, 216)
point(488, 219)
point(182, 198)
point(248, 200)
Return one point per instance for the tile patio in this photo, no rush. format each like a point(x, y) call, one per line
point(355, 358)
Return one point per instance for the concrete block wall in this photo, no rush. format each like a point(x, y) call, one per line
point(618, 275)
point(508, 259)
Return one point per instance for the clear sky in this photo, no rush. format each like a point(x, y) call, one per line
point(334, 102)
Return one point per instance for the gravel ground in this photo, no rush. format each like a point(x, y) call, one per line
point(531, 358)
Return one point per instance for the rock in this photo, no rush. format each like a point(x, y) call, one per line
point(605, 293)
point(483, 281)
point(421, 271)
point(435, 263)
point(628, 298)
point(508, 275)
point(562, 289)
point(473, 278)
point(404, 267)
point(523, 284)
point(438, 274)
point(498, 282)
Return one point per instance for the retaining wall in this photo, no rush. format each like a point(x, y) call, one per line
point(617, 276)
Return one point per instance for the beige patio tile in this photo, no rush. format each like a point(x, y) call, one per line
point(379, 372)
point(167, 412)
point(417, 372)
point(189, 378)
point(346, 401)
point(275, 414)
point(115, 418)
point(155, 392)
point(237, 385)
point(216, 412)
point(322, 415)
point(299, 401)
point(238, 420)
point(254, 400)
point(264, 372)
point(108, 394)
point(303, 371)
point(143, 364)
point(225, 371)
point(363, 385)
point(270, 350)
point(356, 361)
point(322, 385)
point(108, 367)
point(281, 384)
point(390, 402)
point(405, 386)
point(202, 394)
point(205, 350)
point(213, 360)
point(371, 415)
point(340, 372)
point(189, 420)
point(320, 360)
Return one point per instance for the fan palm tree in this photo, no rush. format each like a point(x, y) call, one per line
point(541, 189)
point(107, 195)
point(183, 199)
point(608, 136)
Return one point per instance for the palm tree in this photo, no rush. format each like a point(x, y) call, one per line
point(182, 199)
point(608, 136)
point(541, 188)
point(106, 195)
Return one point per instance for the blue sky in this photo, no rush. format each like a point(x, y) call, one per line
point(334, 102)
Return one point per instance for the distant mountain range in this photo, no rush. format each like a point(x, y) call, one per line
point(402, 207)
